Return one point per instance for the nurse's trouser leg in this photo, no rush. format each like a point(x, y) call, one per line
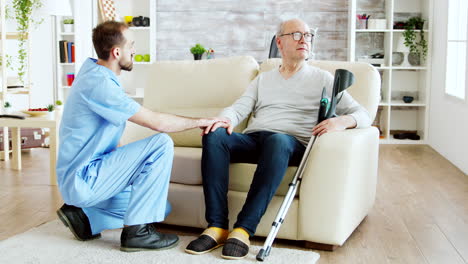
point(131, 184)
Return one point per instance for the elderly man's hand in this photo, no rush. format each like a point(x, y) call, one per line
point(226, 123)
point(334, 124)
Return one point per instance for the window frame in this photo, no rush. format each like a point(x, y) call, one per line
point(465, 41)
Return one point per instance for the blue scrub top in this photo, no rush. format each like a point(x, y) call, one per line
point(93, 121)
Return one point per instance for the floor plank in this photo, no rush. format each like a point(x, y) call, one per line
point(420, 214)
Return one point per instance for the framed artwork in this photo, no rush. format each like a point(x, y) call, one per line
point(107, 8)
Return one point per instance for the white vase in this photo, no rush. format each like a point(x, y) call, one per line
point(68, 28)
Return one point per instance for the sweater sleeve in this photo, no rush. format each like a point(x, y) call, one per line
point(243, 106)
point(349, 106)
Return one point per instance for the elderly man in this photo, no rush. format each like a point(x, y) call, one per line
point(283, 104)
point(105, 186)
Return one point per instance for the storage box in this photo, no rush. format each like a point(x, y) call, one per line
point(377, 24)
point(30, 138)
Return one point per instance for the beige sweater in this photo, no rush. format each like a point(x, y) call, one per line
point(290, 106)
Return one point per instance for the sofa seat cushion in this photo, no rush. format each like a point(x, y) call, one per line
point(192, 137)
point(187, 170)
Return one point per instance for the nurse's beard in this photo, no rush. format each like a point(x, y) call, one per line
point(126, 67)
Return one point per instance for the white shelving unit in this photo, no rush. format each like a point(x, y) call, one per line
point(63, 68)
point(135, 81)
point(7, 37)
point(394, 115)
point(81, 36)
point(145, 42)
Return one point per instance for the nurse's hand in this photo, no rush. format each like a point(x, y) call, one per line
point(226, 123)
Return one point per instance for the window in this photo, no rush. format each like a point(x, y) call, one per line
point(455, 83)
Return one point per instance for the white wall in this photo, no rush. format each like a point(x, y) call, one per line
point(42, 65)
point(448, 117)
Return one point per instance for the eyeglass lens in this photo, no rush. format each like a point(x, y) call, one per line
point(298, 36)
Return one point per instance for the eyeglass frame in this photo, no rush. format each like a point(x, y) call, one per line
point(302, 35)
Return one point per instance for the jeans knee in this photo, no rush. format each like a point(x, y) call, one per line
point(280, 142)
point(214, 137)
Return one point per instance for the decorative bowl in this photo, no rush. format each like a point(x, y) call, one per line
point(408, 99)
point(35, 113)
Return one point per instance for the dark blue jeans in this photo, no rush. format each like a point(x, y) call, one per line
point(273, 152)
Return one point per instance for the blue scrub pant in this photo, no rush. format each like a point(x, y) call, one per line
point(130, 185)
point(273, 152)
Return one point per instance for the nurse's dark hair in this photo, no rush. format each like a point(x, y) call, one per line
point(106, 36)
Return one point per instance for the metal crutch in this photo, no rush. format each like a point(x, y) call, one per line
point(265, 251)
point(343, 79)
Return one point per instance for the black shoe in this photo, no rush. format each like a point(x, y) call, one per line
point(145, 237)
point(75, 219)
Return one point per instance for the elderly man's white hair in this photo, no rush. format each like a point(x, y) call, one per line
point(283, 23)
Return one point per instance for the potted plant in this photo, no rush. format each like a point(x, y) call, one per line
point(197, 51)
point(417, 45)
point(50, 109)
point(68, 25)
point(23, 10)
point(7, 107)
point(58, 105)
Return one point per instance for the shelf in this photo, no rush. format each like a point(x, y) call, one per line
point(67, 33)
point(67, 63)
point(66, 87)
point(14, 35)
point(143, 62)
point(373, 30)
point(139, 28)
point(402, 30)
point(384, 30)
point(397, 80)
point(401, 141)
point(410, 68)
point(17, 91)
point(401, 103)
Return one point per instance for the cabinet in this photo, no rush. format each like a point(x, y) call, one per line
point(400, 76)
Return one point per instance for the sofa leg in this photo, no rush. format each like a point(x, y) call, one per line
point(319, 246)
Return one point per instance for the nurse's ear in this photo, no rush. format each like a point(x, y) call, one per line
point(116, 52)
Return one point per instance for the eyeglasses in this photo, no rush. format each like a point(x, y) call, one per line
point(298, 35)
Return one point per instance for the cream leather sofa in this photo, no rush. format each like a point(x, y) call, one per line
point(338, 187)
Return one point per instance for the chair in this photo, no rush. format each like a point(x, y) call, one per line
point(274, 52)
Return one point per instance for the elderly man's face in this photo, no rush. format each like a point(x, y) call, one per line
point(294, 49)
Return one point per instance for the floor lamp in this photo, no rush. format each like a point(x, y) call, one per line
point(55, 8)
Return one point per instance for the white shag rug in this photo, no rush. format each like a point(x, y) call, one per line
point(53, 243)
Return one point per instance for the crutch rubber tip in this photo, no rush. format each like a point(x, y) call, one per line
point(261, 255)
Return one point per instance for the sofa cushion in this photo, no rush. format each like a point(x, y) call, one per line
point(186, 169)
point(361, 90)
point(192, 137)
point(197, 88)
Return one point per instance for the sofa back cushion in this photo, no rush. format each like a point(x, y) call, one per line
point(365, 90)
point(198, 89)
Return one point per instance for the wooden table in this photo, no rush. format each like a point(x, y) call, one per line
point(42, 122)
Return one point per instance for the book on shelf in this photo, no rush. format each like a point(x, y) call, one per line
point(67, 51)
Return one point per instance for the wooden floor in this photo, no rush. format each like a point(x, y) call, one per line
point(420, 214)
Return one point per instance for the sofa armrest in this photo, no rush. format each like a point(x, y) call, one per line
point(338, 186)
